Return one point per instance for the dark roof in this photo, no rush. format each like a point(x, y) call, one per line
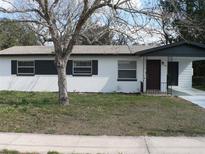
point(157, 49)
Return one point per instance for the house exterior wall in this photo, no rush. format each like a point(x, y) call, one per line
point(185, 72)
point(105, 81)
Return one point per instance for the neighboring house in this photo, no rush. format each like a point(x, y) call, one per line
point(101, 68)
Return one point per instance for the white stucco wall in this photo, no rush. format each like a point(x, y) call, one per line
point(105, 81)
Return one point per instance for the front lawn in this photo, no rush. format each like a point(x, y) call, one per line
point(16, 152)
point(100, 114)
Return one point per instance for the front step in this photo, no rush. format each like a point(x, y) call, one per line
point(156, 93)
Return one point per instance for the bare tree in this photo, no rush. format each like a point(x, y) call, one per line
point(63, 21)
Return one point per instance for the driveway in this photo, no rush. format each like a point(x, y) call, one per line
point(199, 100)
point(101, 144)
point(193, 95)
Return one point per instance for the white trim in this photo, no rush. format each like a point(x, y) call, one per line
point(91, 69)
point(126, 70)
point(33, 67)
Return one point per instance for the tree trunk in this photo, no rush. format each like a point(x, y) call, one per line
point(62, 81)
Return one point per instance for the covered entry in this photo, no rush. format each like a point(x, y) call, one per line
point(170, 66)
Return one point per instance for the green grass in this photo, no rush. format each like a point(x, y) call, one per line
point(13, 152)
point(100, 114)
point(17, 152)
point(200, 87)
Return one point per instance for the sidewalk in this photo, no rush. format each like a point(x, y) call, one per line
point(102, 144)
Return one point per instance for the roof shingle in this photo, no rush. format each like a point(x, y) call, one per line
point(82, 49)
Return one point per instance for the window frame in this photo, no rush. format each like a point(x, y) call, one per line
point(82, 74)
point(127, 79)
point(25, 74)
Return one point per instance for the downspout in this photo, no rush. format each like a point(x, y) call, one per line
point(144, 73)
point(170, 59)
point(171, 80)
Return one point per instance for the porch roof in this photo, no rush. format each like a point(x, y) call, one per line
point(182, 49)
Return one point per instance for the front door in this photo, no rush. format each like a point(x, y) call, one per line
point(173, 73)
point(153, 74)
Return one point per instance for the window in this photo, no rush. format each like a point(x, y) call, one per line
point(127, 70)
point(25, 68)
point(45, 67)
point(82, 68)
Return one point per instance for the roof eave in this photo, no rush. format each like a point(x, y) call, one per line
point(74, 54)
point(148, 51)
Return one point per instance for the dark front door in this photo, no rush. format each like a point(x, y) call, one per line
point(153, 74)
point(173, 73)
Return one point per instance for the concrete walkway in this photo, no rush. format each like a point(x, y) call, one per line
point(199, 100)
point(192, 95)
point(102, 144)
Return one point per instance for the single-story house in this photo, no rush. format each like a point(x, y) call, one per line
point(102, 68)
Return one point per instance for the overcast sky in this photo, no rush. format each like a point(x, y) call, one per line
point(141, 36)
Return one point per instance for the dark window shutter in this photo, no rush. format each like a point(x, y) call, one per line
point(69, 68)
point(45, 67)
point(95, 67)
point(14, 67)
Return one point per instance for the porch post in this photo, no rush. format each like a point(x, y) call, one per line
point(143, 67)
point(170, 59)
point(167, 75)
point(144, 73)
